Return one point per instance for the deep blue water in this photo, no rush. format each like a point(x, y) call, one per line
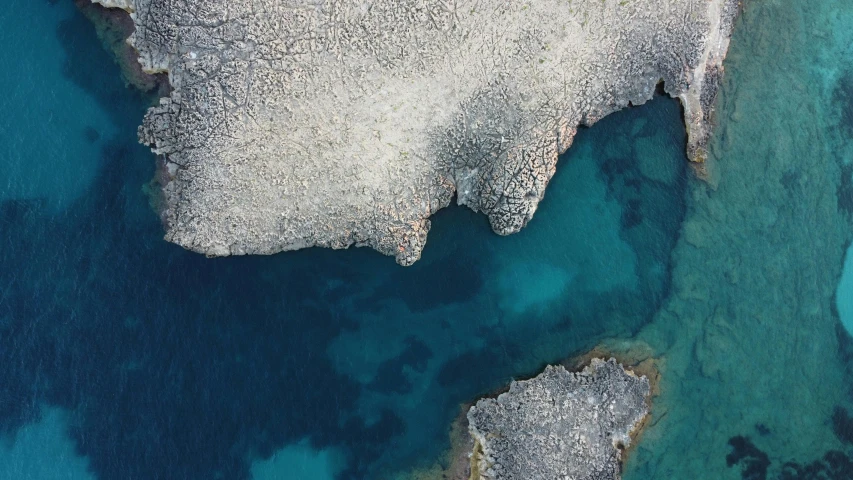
point(164, 364)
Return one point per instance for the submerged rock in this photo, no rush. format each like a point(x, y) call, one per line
point(296, 123)
point(559, 424)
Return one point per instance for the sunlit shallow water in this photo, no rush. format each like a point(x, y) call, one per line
point(132, 358)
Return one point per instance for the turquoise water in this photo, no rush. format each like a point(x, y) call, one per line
point(125, 357)
point(66, 139)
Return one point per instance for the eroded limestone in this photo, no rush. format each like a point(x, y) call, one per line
point(559, 424)
point(297, 123)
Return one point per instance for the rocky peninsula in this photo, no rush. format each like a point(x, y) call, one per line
point(559, 424)
point(295, 123)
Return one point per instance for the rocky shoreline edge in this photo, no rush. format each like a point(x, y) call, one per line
point(204, 214)
point(114, 26)
point(636, 360)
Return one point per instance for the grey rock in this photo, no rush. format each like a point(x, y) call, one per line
point(559, 425)
point(122, 4)
point(298, 123)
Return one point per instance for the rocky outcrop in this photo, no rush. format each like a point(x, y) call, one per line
point(295, 123)
point(559, 424)
point(126, 5)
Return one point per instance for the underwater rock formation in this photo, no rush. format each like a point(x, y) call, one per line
point(293, 124)
point(755, 464)
point(559, 424)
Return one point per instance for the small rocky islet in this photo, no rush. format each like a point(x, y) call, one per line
point(559, 424)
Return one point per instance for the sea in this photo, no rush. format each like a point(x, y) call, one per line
point(124, 357)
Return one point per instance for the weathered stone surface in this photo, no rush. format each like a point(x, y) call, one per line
point(559, 425)
point(296, 123)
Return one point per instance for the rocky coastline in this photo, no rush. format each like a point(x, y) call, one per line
point(622, 372)
point(356, 123)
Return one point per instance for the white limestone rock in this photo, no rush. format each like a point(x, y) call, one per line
point(559, 425)
point(298, 123)
point(126, 5)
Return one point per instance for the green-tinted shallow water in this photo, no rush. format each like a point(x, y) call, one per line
point(752, 344)
point(123, 357)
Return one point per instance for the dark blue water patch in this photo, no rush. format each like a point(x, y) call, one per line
point(476, 372)
point(489, 362)
point(843, 98)
point(622, 172)
point(632, 215)
point(646, 201)
point(170, 385)
point(842, 424)
point(834, 465)
point(462, 280)
point(845, 347)
point(14, 211)
point(755, 464)
point(86, 64)
point(391, 376)
point(845, 190)
point(456, 253)
point(752, 461)
point(375, 440)
point(92, 134)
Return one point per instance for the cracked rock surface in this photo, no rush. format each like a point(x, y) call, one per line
point(297, 123)
point(558, 425)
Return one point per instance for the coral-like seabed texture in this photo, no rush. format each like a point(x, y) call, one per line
point(125, 357)
point(757, 381)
